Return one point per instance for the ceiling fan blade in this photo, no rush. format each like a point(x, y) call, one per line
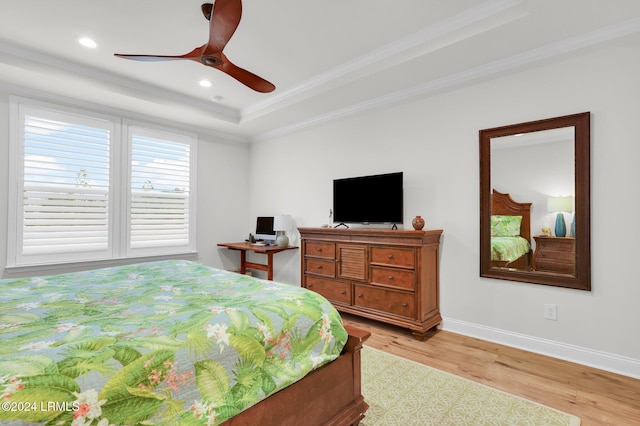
point(193, 55)
point(245, 77)
point(223, 21)
point(148, 58)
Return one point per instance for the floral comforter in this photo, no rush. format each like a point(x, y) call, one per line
point(170, 342)
point(509, 248)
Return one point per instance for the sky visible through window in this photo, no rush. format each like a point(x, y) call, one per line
point(65, 155)
point(159, 165)
point(62, 155)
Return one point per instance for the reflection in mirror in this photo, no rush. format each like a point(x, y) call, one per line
point(533, 176)
point(536, 168)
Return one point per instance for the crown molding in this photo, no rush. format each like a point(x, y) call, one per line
point(219, 111)
point(489, 14)
point(476, 20)
point(449, 82)
point(34, 94)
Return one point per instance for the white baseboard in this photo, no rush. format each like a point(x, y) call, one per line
point(592, 358)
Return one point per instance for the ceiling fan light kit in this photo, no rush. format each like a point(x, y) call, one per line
point(224, 17)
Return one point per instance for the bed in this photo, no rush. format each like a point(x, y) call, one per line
point(174, 342)
point(510, 232)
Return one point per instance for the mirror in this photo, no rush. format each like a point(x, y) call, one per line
point(534, 202)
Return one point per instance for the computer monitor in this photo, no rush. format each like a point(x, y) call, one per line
point(264, 229)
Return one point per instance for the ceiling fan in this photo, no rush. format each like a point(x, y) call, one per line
point(224, 17)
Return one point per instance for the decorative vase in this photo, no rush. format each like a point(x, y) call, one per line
point(561, 227)
point(418, 223)
point(573, 226)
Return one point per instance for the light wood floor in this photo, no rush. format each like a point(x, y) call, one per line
point(597, 397)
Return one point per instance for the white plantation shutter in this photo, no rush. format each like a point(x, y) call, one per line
point(93, 187)
point(160, 198)
point(65, 189)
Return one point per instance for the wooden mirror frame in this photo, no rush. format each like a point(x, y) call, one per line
point(582, 141)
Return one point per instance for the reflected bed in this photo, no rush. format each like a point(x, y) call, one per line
point(510, 232)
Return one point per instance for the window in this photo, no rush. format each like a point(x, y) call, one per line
point(96, 187)
point(160, 191)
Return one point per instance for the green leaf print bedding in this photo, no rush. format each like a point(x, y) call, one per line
point(169, 342)
point(509, 248)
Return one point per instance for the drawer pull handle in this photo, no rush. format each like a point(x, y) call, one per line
point(390, 277)
point(390, 256)
point(343, 292)
point(318, 249)
point(360, 295)
point(319, 267)
point(404, 305)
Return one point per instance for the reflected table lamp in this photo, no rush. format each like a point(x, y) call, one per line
point(560, 205)
point(281, 224)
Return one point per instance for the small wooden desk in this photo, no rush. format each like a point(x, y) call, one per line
point(268, 250)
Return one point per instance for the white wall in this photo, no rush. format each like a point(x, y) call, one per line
point(435, 142)
point(222, 195)
point(223, 199)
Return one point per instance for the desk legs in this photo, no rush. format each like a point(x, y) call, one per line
point(243, 248)
point(270, 266)
point(251, 265)
point(243, 262)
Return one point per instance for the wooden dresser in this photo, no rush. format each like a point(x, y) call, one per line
point(386, 275)
point(555, 254)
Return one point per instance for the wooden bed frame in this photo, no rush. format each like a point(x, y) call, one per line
point(330, 395)
point(503, 204)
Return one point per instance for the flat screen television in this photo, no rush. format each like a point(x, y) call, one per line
point(369, 199)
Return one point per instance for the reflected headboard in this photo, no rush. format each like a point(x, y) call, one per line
point(503, 204)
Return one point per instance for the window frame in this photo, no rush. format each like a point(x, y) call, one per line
point(119, 188)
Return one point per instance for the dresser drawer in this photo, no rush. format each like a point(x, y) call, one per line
point(392, 256)
point(337, 291)
point(326, 268)
point(550, 265)
point(386, 300)
point(400, 278)
point(557, 256)
point(320, 249)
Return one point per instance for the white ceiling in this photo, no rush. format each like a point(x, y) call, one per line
point(327, 58)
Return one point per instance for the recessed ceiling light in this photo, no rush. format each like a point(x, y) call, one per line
point(87, 42)
point(205, 83)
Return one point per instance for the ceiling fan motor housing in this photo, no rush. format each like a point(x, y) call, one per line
point(211, 61)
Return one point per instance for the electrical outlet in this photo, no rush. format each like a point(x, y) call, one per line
point(551, 312)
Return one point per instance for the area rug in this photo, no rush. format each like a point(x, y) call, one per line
point(404, 393)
